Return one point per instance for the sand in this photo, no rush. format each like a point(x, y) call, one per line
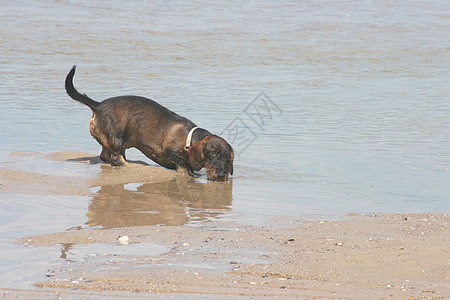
point(394, 256)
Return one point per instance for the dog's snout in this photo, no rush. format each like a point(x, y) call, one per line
point(213, 176)
point(218, 170)
point(222, 172)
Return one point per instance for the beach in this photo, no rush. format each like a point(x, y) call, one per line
point(387, 256)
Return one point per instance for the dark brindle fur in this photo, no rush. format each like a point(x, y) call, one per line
point(123, 122)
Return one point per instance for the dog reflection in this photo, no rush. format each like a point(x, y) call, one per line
point(175, 202)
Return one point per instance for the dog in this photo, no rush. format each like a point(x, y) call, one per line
point(168, 139)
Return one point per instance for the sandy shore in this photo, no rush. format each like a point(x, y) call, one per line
point(388, 256)
point(398, 256)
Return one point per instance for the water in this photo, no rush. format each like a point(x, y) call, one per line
point(358, 91)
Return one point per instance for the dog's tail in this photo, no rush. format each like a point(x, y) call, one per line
point(74, 94)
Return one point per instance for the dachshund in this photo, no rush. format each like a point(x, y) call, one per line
point(172, 141)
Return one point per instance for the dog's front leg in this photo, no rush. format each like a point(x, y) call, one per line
point(180, 161)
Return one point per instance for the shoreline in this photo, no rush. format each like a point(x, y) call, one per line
point(387, 256)
point(398, 256)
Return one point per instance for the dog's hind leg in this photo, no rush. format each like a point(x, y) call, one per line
point(117, 156)
point(113, 150)
point(105, 155)
point(118, 160)
point(113, 153)
point(117, 152)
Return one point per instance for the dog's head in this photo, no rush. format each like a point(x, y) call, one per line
point(214, 153)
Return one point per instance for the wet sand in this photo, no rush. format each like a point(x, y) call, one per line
point(395, 256)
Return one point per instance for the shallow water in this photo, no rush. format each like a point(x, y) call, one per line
point(339, 107)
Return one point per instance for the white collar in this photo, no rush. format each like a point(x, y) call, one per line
point(189, 139)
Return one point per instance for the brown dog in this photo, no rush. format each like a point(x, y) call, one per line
point(170, 140)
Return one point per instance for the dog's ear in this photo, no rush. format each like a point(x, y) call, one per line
point(231, 161)
point(196, 156)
